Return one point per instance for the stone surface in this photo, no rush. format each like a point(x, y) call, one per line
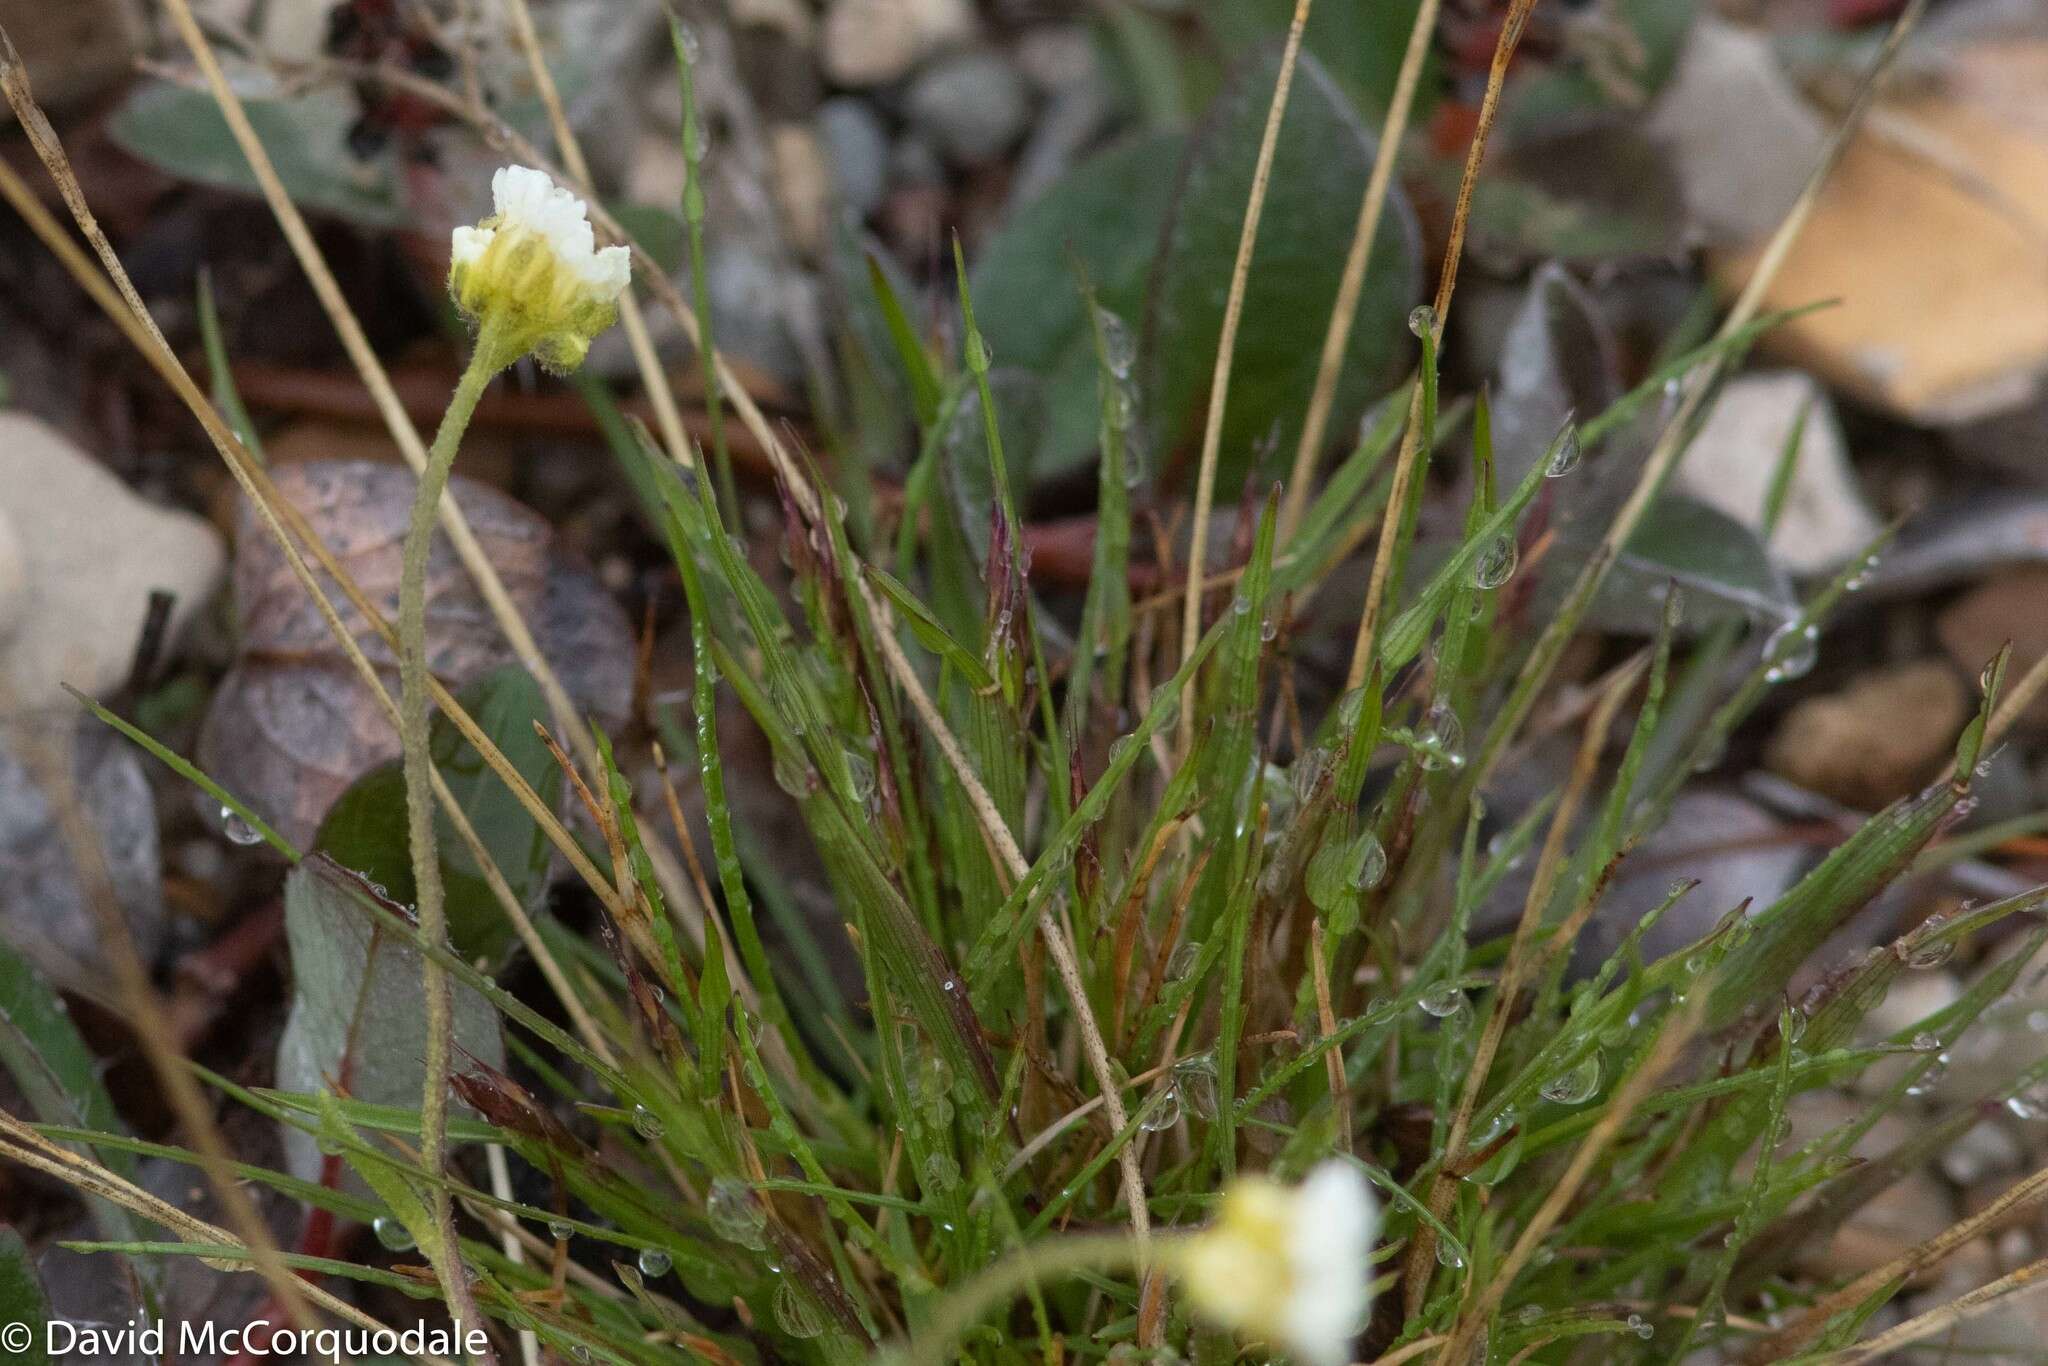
point(803, 184)
point(74, 49)
point(44, 911)
point(856, 152)
point(1733, 460)
point(973, 105)
point(874, 42)
point(1740, 135)
point(13, 578)
point(92, 552)
point(2005, 607)
point(1876, 739)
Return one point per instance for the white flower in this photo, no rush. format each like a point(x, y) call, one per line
point(531, 276)
point(1288, 1266)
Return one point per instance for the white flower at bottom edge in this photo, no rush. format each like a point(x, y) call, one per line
point(1288, 1265)
point(532, 276)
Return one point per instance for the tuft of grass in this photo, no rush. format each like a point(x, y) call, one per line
point(1135, 902)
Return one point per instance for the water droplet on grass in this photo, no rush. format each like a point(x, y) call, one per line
point(237, 830)
point(1565, 458)
point(1791, 651)
point(654, 1263)
point(392, 1234)
point(1576, 1086)
point(1496, 563)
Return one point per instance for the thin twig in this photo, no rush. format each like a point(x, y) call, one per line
point(1226, 352)
point(1412, 454)
point(1337, 340)
point(2030, 1279)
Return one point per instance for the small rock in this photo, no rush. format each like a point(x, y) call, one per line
point(74, 50)
point(658, 171)
point(1987, 1150)
point(1733, 460)
point(1072, 119)
point(874, 42)
point(2004, 608)
point(1876, 739)
point(44, 911)
point(857, 150)
point(914, 163)
point(1055, 57)
point(1905, 1214)
point(802, 184)
point(1740, 135)
point(93, 552)
point(13, 578)
point(973, 104)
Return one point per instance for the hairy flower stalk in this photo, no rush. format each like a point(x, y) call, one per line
point(532, 281)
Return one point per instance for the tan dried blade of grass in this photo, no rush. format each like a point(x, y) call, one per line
point(2030, 1279)
point(280, 517)
point(24, 1145)
point(1670, 444)
point(813, 507)
point(1678, 1029)
point(1357, 262)
point(1412, 454)
point(121, 303)
point(1518, 967)
point(1787, 1341)
point(1226, 353)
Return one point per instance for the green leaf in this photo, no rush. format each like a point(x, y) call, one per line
point(1106, 214)
point(21, 1298)
point(365, 831)
point(355, 1023)
point(1722, 566)
point(60, 1079)
point(183, 133)
point(1319, 172)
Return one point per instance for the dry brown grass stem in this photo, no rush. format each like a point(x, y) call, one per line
point(1226, 353)
point(1344, 314)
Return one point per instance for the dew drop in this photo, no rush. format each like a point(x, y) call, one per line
point(941, 1173)
point(654, 1263)
point(236, 829)
point(647, 1124)
point(2029, 1102)
point(1449, 1256)
point(1791, 651)
point(1118, 349)
point(735, 1214)
point(794, 774)
point(1442, 1001)
point(1566, 453)
point(1641, 1327)
point(1422, 320)
point(1496, 563)
point(688, 43)
point(1195, 1079)
point(1441, 737)
point(1984, 676)
point(1164, 1114)
point(392, 1234)
point(794, 1312)
point(1182, 963)
point(560, 1231)
point(1576, 1086)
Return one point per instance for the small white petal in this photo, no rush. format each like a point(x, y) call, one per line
point(1329, 1247)
point(467, 244)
